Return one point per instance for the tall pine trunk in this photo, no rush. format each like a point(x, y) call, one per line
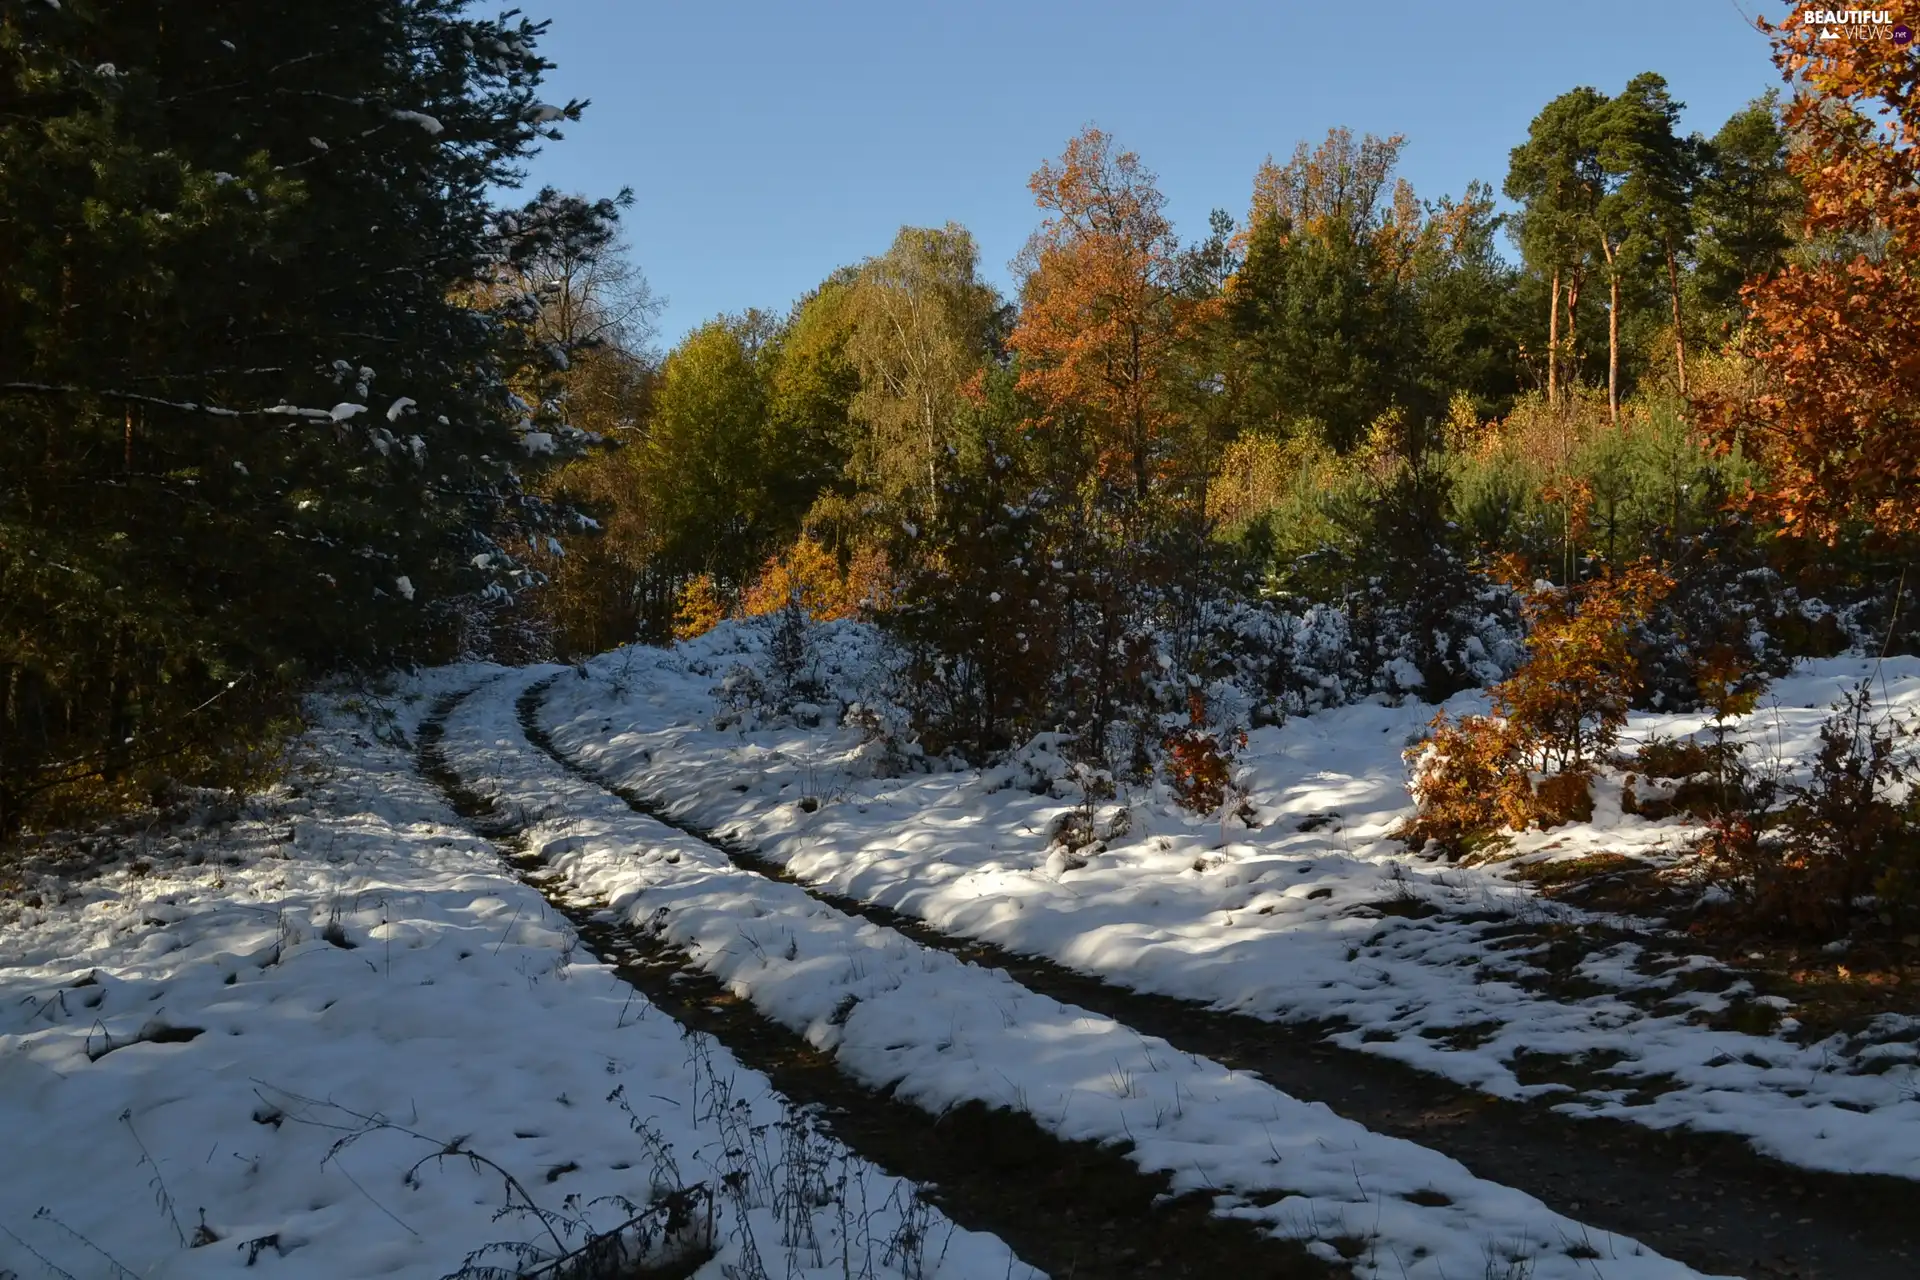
point(1613, 333)
point(1574, 281)
point(1553, 341)
point(1679, 335)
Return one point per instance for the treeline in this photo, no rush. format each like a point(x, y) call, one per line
point(287, 392)
point(272, 373)
point(1169, 456)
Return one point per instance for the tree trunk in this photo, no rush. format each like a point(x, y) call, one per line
point(1679, 335)
point(1574, 281)
point(1553, 342)
point(1613, 334)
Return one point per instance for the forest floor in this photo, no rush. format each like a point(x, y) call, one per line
point(860, 1020)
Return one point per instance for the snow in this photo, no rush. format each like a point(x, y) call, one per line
point(460, 1008)
point(1281, 922)
point(399, 407)
point(263, 1025)
point(938, 1033)
point(431, 126)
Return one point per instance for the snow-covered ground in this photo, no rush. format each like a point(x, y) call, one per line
point(449, 1007)
point(338, 1037)
point(939, 1033)
point(1282, 921)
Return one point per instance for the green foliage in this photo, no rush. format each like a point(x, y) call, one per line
point(1318, 340)
point(1748, 204)
point(707, 461)
point(1556, 177)
point(922, 324)
point(1561, 487)
point(258, 394)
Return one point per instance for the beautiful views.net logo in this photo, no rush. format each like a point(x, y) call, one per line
point(1858, 24)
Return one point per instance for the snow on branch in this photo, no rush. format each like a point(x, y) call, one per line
point(339, 413)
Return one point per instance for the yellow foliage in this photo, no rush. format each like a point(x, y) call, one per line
point(1465, 433)
point(700, 608)
point(1257, 473)
point(805, 574)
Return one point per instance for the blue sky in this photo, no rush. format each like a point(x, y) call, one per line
point(768, 143)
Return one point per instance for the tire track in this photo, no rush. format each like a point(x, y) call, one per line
point(1077, 1210)
point(1706, 1199)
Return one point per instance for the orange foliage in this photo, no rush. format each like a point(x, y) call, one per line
point(1569, 702)
point(1838, 426)
point(871, 583)
point(1099, 311)
point(1468, 780)
point(1337, 182)
point(1562, 710)
point(807, 574)
point(1200, 761)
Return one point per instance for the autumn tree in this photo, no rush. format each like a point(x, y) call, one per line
point(1839, 425)
point(922, 320)
point(1100, 309)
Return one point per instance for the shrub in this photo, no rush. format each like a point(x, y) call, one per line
point(1561, 798)
point(1562, 710)
point(1469, 780)
point(805, 575)
point(699, 609)
point(1199, 759)
point(1569, 701)
point(1843, 845)
point(1672, 758)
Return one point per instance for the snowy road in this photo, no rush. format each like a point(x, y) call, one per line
point(1167, 913)
point(914, 1021)
point(338, 1038)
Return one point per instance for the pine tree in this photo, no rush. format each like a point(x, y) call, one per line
point(252, 429)
point(1651, 174)
point(1749, 203)
point(1555, 176)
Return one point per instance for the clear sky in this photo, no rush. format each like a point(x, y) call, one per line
point(770, 141)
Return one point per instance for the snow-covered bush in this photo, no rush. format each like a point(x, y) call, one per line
point(1819, 858)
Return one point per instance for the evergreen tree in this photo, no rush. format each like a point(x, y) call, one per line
point(257, 423)
point(1556, 178)
point(1749, 204)
point(1651, 175)
point(1321, 308)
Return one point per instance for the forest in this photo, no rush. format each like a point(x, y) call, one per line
point(1374, 739)
point(307, 398)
